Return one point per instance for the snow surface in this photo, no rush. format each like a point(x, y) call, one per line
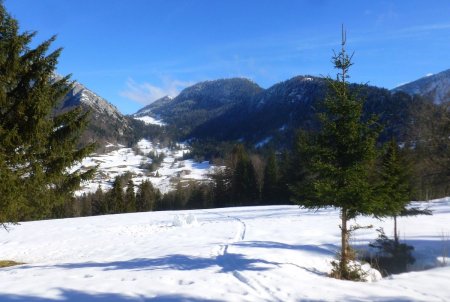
point(432, 85)
point(148, 120)
point(271, 253)
point(119, 160)
point(263, 142)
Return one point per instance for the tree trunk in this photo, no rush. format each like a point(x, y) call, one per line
point(395, 230)
point(344, 240)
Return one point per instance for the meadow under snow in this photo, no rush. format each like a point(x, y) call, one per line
point(118, 160)
point(270, 253)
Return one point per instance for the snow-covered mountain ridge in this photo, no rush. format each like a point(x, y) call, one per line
point(436, 87)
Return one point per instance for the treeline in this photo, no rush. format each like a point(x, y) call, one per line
point(123, 197)
point(264, 177)
point(246, 179)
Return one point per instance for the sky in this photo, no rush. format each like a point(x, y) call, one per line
point(132, 52)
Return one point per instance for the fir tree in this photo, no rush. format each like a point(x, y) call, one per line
point(146, 197)
point(116, 199)
point(338, 160)
point(37, 148)
point(222, 179)
point(130, 197)
point(430, 130)
point(99, 202)
point(86, 205)
point(271, 187)
point(244, 183)
point(394, 185)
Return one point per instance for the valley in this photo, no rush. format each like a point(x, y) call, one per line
point(137, 161)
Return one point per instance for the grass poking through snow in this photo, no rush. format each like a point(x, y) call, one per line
point(7, 263)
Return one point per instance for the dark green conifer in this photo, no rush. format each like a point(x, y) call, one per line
point(395, 186)
point(146, 197)
point(100, 204)
point(116, 199)
point(222, 180)
point(130, 197)
point(339, 159)
point(271, 187)
point(244, 184)
point(37, 148)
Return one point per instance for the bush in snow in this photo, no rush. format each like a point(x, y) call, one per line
point(391, 257)
point(355, 271)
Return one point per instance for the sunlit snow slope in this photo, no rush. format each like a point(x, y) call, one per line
point(118, 160)
point(274, 253)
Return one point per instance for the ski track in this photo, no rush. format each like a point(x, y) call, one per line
point(263, 291)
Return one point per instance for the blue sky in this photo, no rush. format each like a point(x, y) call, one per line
point(134, 51)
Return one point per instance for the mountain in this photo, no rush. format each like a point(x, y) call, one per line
point(238, 109)
point(275, 114)
point(435, 87)
point(284, 105)
point(201, 102)
point(106, 124)
point(155, 106)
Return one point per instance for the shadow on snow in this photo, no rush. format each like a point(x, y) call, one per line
point(226, 263)
point(325, 249)
point(73, 295)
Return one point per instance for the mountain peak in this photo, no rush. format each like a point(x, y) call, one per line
point(106, 122)
point(156, 104)
point(435, 87)
point(225, 88)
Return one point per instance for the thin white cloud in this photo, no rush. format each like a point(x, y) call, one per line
point(426, 27)
point(146, 93)
point(386, 16)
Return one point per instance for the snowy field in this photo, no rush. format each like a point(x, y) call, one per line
point(148, 120)
point(272, 253)
point(119, 160)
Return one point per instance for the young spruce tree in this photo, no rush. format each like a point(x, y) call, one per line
point(244, 184)
point(37, 148)
point(395, 185)
point(271, 186)
point(338, 160)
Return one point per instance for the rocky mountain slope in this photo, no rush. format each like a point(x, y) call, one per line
point(106, 124)
point(435, 87)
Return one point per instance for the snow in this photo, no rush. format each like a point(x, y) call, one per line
point(148, 120)
point(94, 101)
point(270, 253)
point(263, 142)
point(283, 128)
point(121, 160)
point(184, 220)
point(432, 85)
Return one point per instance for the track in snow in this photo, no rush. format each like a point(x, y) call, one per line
point(230, 262)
